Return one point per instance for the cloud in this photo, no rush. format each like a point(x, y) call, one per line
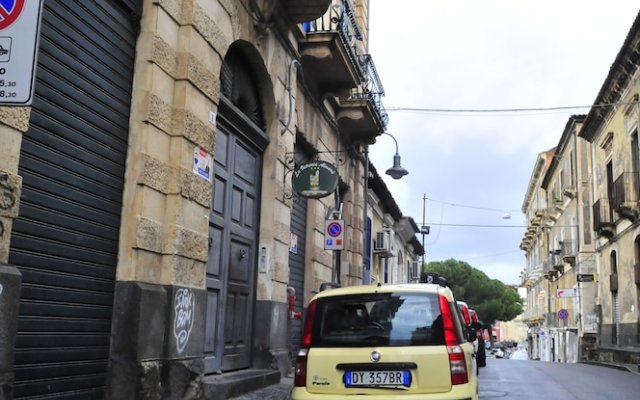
point(493, 54)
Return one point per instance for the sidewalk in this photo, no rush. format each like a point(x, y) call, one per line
point(634, 369)
point(279, 391)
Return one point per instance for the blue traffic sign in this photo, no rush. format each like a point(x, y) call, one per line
point(563, 314)
point(334, 229)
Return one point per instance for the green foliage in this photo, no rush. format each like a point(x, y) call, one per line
point(492, 299)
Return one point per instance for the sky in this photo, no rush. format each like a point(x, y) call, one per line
point(473, 167)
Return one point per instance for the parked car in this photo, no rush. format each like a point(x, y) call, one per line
point(385, 342)
point(478, 326)
point(498, 353)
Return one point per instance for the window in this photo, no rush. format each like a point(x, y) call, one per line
point(384, 319)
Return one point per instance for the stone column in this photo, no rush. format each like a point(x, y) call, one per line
point(14, 121)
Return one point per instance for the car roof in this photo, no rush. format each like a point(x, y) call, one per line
point(395, 288)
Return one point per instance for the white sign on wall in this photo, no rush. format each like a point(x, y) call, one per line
point(563, 293)
point(19, 33)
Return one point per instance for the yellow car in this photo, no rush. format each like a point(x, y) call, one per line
point(387, 342)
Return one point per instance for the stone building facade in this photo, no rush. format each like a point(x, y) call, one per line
point(582, 205)
point(150, 238)
point(612, 129)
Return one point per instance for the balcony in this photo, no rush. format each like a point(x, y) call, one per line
point(305, 10)
point(556, 261)
point(534, 314)
point(548, 270)
point(568, 252)
point(537, 218)
point(361, 117)
point(329, 53)
point(625, 195)
point(603, 218)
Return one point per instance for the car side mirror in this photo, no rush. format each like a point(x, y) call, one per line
point(471, 334)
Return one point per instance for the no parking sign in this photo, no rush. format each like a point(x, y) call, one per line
point(334, 234)
point(19, 31)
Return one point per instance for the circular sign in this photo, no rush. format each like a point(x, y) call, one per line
point(334, 229)
point(10, 11)
point(315, 179)
point(563, 314)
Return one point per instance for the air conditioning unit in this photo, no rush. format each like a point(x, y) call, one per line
point(383, 241)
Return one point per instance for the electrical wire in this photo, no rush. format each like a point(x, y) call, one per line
point(478, 225)
point(505, 110)
point(473, 207)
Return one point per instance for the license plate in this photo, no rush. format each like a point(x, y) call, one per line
point(377, 378)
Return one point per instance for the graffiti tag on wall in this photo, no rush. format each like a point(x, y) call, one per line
point(184, 305)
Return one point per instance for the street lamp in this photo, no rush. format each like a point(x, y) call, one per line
point(396, 172)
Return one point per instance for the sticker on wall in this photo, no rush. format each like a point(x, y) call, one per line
point(293, 243)
point(202, 163)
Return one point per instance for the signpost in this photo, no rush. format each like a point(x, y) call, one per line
point(334, 234)
point(19, 33)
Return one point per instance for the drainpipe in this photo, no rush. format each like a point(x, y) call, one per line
point(366, 270)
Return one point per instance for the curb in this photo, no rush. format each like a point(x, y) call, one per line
point(614, 366)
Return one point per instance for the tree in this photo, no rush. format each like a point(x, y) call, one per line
point(492, 299)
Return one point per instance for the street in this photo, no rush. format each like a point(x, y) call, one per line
point(523, 379)
point(517, 378)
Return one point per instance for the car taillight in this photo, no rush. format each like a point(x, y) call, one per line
point(308, 325)
point(301, 368)
point(457, 361)
point(450, 334)
point(458, 365)
point(301, 360)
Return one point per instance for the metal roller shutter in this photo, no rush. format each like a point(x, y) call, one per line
point(296, 269)
point(72, 161)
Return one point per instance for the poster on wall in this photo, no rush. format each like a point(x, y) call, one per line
point(202, 163)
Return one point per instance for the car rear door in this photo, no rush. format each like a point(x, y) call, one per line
point(382, 344)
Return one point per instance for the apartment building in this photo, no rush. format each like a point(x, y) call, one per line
point(612, 129)
point(583, 237)
point(535, 245)
point(151, 240)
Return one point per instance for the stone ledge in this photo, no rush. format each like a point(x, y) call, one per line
point(225, 386)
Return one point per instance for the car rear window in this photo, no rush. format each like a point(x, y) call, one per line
point(382, 319)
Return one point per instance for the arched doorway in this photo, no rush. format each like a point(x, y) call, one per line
point(234, 217)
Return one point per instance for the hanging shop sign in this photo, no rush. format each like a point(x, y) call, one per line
point(315, 179)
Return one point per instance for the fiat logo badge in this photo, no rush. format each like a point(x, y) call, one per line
point(375, 356)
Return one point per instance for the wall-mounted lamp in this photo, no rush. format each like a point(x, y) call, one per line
point(396, 172)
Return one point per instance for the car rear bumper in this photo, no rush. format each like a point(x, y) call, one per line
point(458, 392)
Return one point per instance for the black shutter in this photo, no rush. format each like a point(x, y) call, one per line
point(72, 161)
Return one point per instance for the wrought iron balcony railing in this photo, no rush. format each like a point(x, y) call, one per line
point(568, 251)
point(625, 195)
point(371, 89)
point(603, 218)
point(340, 18)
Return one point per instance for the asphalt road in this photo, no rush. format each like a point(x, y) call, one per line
point(520, 379)
point(523, 379)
